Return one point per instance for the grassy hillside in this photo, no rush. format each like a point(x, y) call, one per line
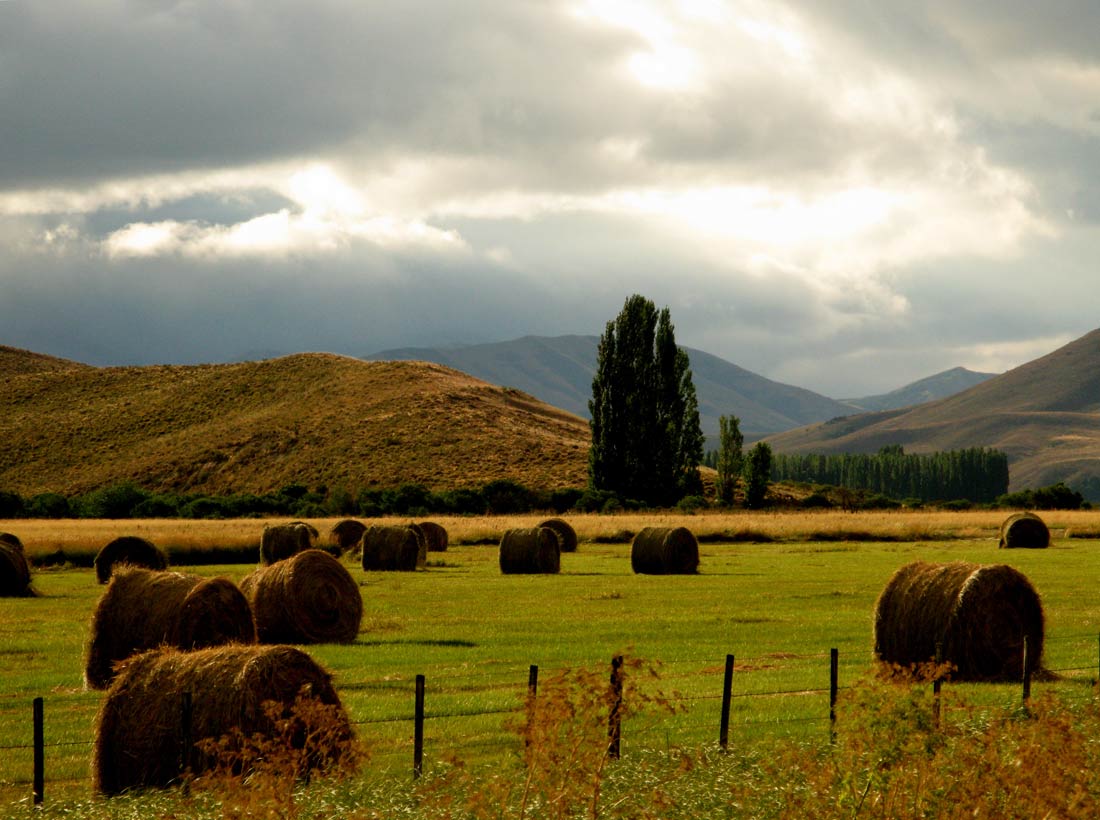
point(559, 370)
point(256, 426)
point(1045, 415)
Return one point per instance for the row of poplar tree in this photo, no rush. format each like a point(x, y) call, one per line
point(977, 474)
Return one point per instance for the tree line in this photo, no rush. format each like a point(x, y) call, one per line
point(977, 473)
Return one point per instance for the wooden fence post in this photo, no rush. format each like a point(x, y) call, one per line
point(727, 690)
point(614, 719)
point(834, 668)
point(39, 752)
point(532, 694)
point(1027, 672)
point(418, 729)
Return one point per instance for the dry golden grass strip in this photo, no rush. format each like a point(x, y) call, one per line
point(665, 551)
point(142, 609)
point(232, 691)
point(131, 550)
point(307, 598)
point(1024, 530)
point(978, 615)
point(534, 550)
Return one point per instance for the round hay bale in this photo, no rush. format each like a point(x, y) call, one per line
point(422, 544)
point(138, 734)
point(313, 533)
point(345, 534)
point(530, 551)
point(435, 534)
point(390, 549)
point(15, 573)
point(142, 609)
point(280, 541)
point(567, 536)
point(12, 540)
point(979, 614)
point(128, 549)
point(1024, 530)
point(307, 598)
point(665, 551)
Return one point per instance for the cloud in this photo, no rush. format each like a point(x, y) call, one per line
point(816, 190)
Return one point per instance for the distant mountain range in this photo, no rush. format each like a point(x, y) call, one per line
point(1044, 414)
point(559, 370)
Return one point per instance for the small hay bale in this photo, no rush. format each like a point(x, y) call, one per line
point(142, 609)
point(567, 536)
point(12, 540)
point(307, 598)
point(345, 534)
point(128, 549)
point(1024, 530)
point(138, 735)
point(435, 534)
point(280, 541)
point(422, 543)
point(665, 551)
point(530, 551)
point(979, 614)
point(15, 573)
point(391, 549)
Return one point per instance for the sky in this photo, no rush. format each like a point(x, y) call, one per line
point(845, 196)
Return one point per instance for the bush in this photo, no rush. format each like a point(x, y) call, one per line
point(50, 505)
point(207, 507)
point(11, 505)
point(957, 505)
point(157, 506)
point(692, 503)
point(504, 497)
point(113, 501)
point(816, 501)
point(595, 500)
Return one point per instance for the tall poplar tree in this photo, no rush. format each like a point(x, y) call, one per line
point(730, 456)
point(646, 438)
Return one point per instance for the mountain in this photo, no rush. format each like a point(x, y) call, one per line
point(559, 371)
point(1044, 414)
point(939, 386)
point(311, 418)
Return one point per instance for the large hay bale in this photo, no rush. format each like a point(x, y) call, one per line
point(567, 536)
point(393, 549)
point(280, 541)
point(307, 598)
point(12, 540)
point(345, 534)
point(979, 614)
point(131, 550)
point(15, 573)
point(530, 551)
point(1024, 530)
point(435, 534)
point(422, 544)
point(138, 729)
point(142, 609)
point(665, 551)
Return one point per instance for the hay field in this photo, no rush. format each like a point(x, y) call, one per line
point(779, 606)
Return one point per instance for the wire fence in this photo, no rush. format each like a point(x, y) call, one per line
point(705, 714)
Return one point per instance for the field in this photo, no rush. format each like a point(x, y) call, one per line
point(776, 590)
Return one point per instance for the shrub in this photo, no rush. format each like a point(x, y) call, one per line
point(11, 505)
point(692, 503)
point(113, 501)
point(503, 497)
point(50, 505)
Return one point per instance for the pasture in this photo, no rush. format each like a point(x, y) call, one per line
point(777, 590)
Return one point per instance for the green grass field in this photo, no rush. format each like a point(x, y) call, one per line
point(473, 633)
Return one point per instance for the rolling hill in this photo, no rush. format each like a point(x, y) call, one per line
point(559, 370)
point(1044, 414)
point(931, 388)
point(257, 426)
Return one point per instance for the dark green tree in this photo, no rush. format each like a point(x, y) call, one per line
point(728, 464)
point(646, 438)
point(758, 468)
